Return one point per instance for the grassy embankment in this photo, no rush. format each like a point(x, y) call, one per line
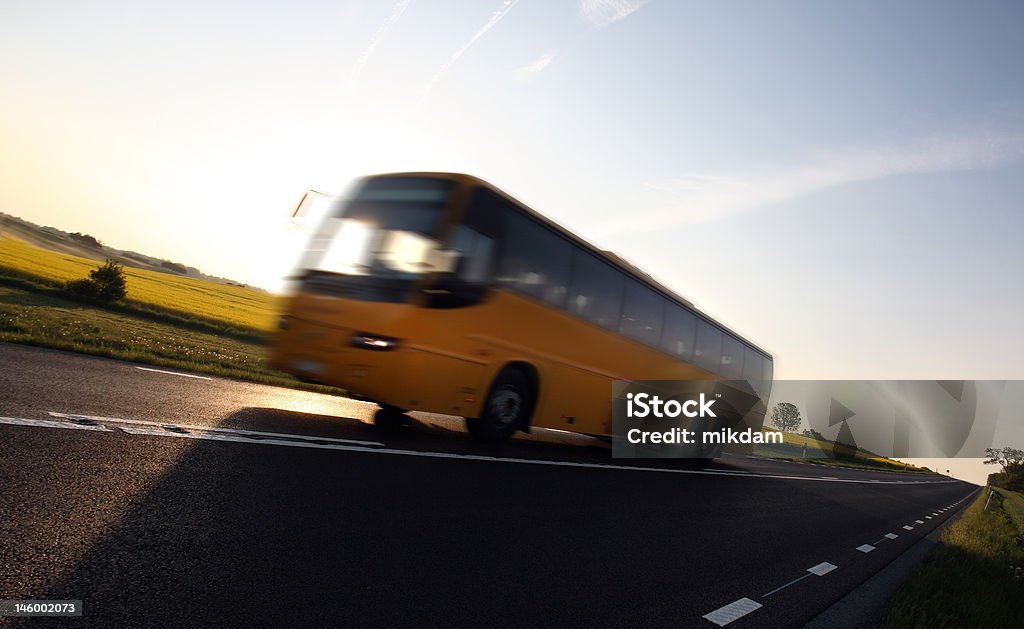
point(167, 320)
point(809, 450)
point(975, 577)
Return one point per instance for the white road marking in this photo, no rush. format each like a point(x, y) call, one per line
point(927, 517)
point(891, 535)
point(919, 521)
point(783, 587)
point(733, 611)
point(46, 423)
point(231, 431)
point(822, 568)
point(908, 527)
point(175, 373)
point(310, 441)
point(865, 548)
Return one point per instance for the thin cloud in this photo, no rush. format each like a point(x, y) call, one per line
point(710, 196)
point(534, 67)
point(601, 13)
point(506, 6)
point(378, 37)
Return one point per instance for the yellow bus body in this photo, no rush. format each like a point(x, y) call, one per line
point(446, 358)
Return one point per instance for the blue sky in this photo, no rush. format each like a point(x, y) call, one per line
point(841, 182)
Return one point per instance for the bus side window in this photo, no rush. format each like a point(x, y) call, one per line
point(680, 332)
point(595, 292)
point(732, 358)
point(642, 314)
point(708, 355)
point(756, 371)
point(533, 260)
point(475, 251)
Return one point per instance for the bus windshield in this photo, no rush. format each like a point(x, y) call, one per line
point(388, 229)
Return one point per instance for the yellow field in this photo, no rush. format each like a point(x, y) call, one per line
point(234, 305)
point(819, 450)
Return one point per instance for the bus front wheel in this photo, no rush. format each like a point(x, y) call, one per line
point(505, 409)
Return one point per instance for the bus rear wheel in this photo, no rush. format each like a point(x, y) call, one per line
point(505, 410)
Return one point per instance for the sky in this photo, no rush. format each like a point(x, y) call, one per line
point(839, 182)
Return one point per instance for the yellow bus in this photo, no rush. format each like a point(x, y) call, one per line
point(438, 292)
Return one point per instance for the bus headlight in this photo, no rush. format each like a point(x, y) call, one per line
point(375, 342)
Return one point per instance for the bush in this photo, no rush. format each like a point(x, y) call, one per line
point(106, 284)
point(1012, 477)
point(814, 434)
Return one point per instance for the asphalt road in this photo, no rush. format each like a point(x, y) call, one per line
point(166, 512)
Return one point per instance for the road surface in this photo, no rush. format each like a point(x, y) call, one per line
point(161, 499)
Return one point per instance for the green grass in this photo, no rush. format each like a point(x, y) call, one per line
point(1013, 504)
point(235, 306)
point(974, 578)
point(46, 320)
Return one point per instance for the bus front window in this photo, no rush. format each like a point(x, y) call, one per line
point(388, 229)
point(352, 247)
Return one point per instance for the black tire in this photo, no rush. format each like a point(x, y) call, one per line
point(390, 418)
point(506, 409)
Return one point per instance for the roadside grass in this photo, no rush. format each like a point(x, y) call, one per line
point(810, 450)
point(46, 320)
point(185, 297)
point(1013, 504)
point(973, 578)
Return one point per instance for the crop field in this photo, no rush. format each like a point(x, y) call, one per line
point(232, 305)
point(801, 448)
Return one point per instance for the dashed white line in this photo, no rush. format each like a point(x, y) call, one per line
point(927, 517)
point(891, 535)
point(908, 527)
point(919, 521)
point(822, 568)
point(733, 611)
point(865, 548)
point(175, 373)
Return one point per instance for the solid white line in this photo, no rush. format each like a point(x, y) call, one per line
point(356, 446)
point(175, 373)
point(908, 527)
point(822, 568)
point(782, 587)
point(232, 431)
point(865, 548)
point(891, 535)
point(733, 611)
point(46, 423)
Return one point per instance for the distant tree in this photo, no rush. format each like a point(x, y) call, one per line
point(814, 434)
point(1012, 461)
point(1004, 456)
point(174, 267)
point(786, 417)
point(87, 240)
point(106, 284)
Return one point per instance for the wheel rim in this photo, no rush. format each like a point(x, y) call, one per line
point(505, 405)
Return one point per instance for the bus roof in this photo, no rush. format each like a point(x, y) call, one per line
point(612, 258)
